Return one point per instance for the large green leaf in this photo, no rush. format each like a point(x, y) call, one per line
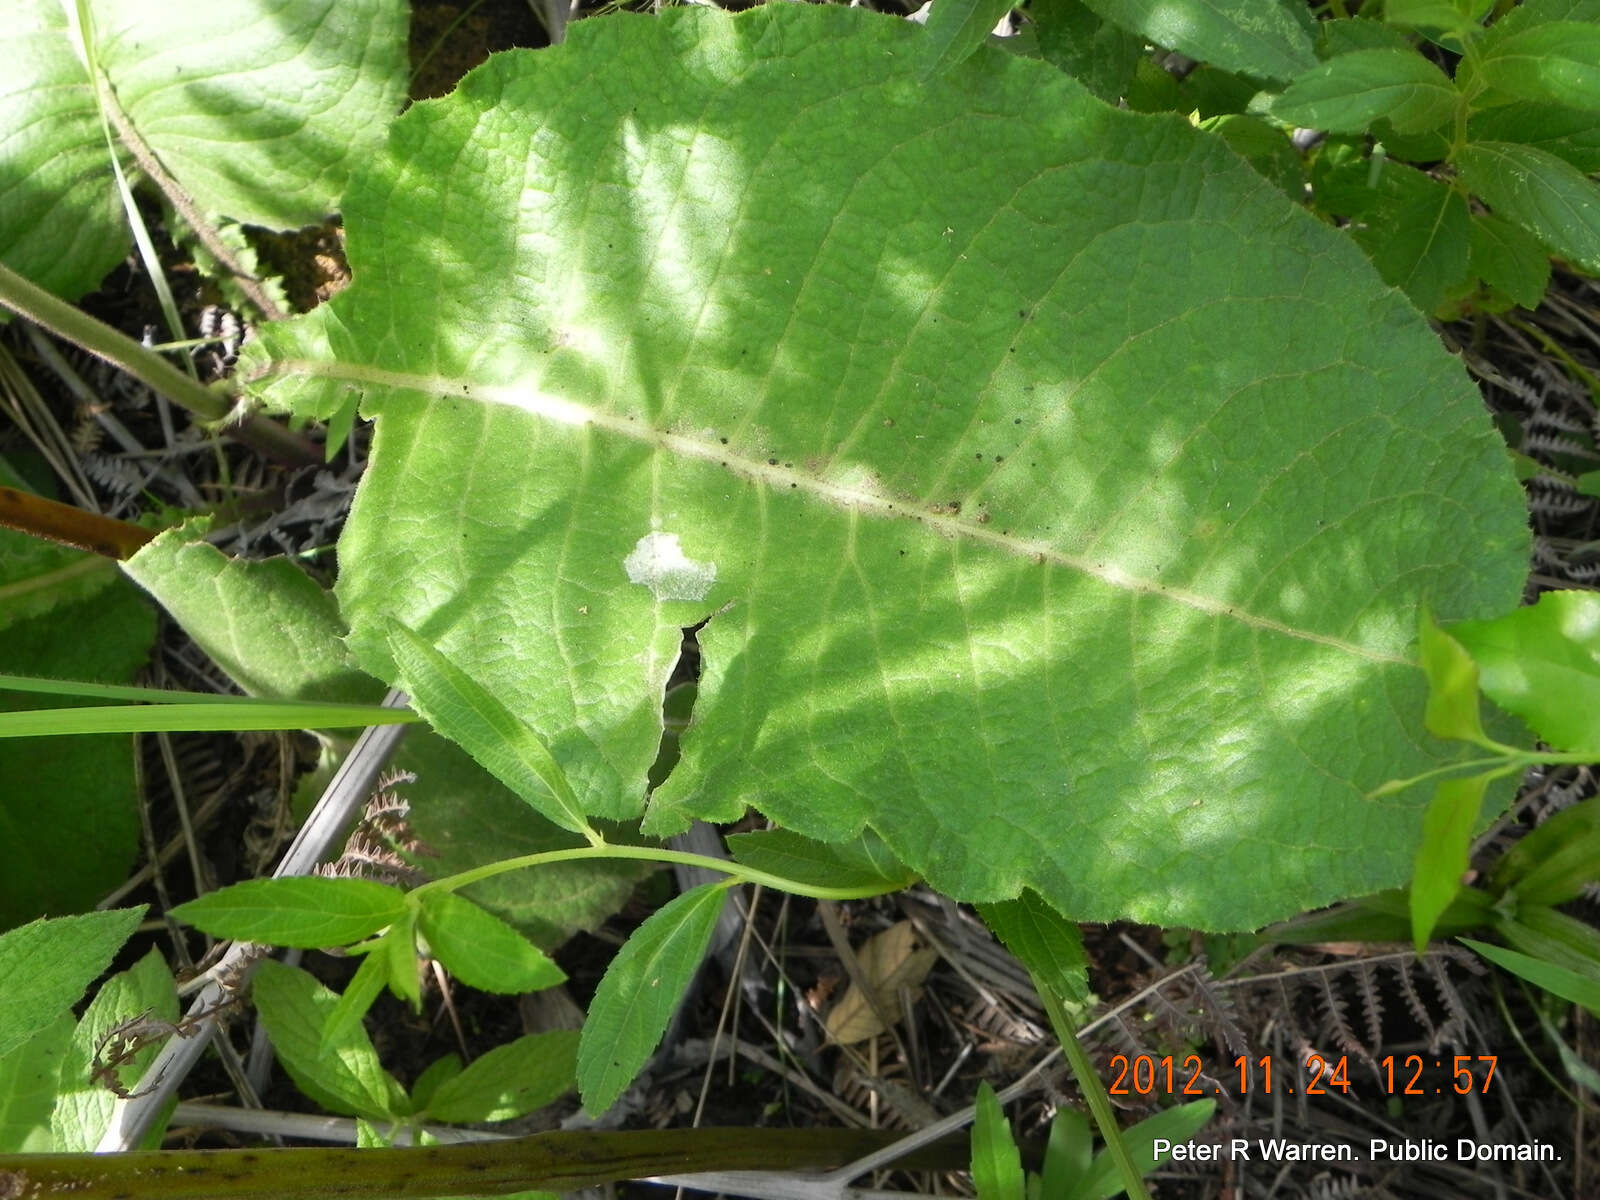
point(1059, 495)
point(66, 801)
point(254, 109)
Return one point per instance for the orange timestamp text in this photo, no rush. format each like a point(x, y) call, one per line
point(1410, 1075)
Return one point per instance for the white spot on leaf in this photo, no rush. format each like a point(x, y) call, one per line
point(659, 563)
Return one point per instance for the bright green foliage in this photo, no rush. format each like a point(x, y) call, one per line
point(641, 987)
point(1267, 38)
point(45, 967)
point(1555, 861)
point(486, 729)
point(1348, 93)
point(1452, 710)
point(30, 1078)
point(865, 862)
point(466, 818)
point(255, 109)
point(1508, 259)
point(364, 987)
point(955, 593)
point(509, 1081)
point(1561, 981)
point(996, 1161)
point(481, 950)
point(1442, 860)
point(1541, 192)
point(277, 633)
point(345, 1076)
point(1176, 1124)
point(1043, 941)
point(84, 1104)
point(1543, 664)
point(1558, 63)
point(264, 622)
point(309, 911)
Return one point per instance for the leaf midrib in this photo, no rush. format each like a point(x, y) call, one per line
point(567, 412)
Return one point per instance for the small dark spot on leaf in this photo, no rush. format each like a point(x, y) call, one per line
point(955, 506)
point(772, 462)
point(724, 441)
point(999, 458)
point(902, 554)
point(788, 466)
point(888, 422)
point(1016, 420)
point(979, 457)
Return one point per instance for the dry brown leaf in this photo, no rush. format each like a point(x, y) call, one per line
point(890, 961)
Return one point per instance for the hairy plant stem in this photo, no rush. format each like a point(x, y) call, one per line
point(737, 873)
point(556, 1162)
point(1093, 1090)
point(29, 300)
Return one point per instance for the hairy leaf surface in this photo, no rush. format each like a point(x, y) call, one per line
point(253, 109)
point(1059, 495)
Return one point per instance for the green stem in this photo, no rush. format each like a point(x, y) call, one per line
point(737, 873)
point(555, 1162)
point(1093, 1091)
point(31, 301)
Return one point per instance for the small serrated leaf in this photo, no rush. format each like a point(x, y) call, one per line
point(481, 950)
point(84, 1107)
point(356, 998)
point(46, 965)
point(1348, 93)
point(344, 1078)
point(641, 987)
point(307, 912)
point(996, 1161)
point(1542, 663)
point(1558, 62)
point(1044, 941)
point(464, 711)
point(1443, 857)
point(511, 1080)
point(1545, 195)
point(1452, 710)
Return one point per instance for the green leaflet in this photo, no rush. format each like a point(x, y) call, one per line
point(1048, 582)
point(1348, 93)
point(1544, 194)
point(1447, 829)
point(481, 950)
point(45, 967)
point(996, 1161)
point(641, 987)
point(1543, 664)
point(307, 911)
point(84, 1104)
point(30, 1077)
point(255, 110)
point(509, 1081)
point(343, 1076)
point(1049, 946)
point(1558, 63)
point(461, 709)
